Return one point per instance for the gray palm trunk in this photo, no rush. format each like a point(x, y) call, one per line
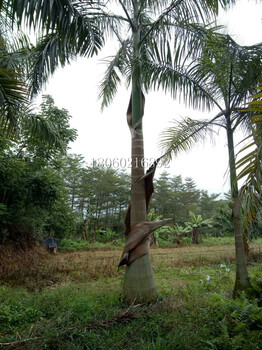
point(139, 285)
point(242, 281)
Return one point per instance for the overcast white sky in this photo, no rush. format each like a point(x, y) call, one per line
point(106, 135)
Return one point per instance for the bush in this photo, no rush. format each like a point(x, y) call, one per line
point(255, 290)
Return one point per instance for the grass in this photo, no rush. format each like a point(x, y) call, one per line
point(74, 244)
point(71, 301)
point(92, 265)
point(69, 244)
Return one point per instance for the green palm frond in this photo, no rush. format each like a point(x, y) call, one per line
point(230, 68)
point(67, 33)
point(163, 64)
point(250, 165)
point(48, 54)
point(42, 129)
point(14, 52)
point(178, 82)
point(60, 16)
point(116, 66)
point(13, 95)
point(183, 135)
point(12, 89)
point(58, 48)
point(197, 10)
point(43, 14)
point(185, 36)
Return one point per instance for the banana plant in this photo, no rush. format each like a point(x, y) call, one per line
point(152, 216)
point(178, 232)
point(195, 224)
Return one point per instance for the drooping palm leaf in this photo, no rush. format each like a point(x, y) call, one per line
point(183, 135)
point(250, 165)
point(117, 66)
point(229, 68)
point(67, 32)
point(41, 129)
point(13, 91)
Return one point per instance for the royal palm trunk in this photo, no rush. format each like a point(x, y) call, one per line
point(242, 281)
point(139, 285)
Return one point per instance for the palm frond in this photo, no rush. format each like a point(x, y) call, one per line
point(250, 165)
point(57, 49)
point(177, 81)
point(48, 15)
point(42, 129)
point(190, 10)
point(117, 66)
point(13, 94)
point(231, 68)
point(183, 135)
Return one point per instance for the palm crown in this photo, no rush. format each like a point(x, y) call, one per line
point(168, 30)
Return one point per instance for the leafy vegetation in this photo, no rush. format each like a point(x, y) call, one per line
point(32, 194)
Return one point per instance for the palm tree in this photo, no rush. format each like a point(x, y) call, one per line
point(250, 165)
point(228, 73)
point(13, 90)
point(150, 33)
point(195, 224)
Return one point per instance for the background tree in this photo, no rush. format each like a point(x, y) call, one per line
point(175, 197)
point(72, 172)
point(208, 204)
point(32, 194)
point(54, 135)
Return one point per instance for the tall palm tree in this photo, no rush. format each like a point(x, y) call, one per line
point(148, 31)
point(228, 73)
point(250, 164)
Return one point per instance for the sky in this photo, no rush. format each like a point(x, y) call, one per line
point(105, 137)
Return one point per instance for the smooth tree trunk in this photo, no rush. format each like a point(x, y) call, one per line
point(139, 285)
point(242, 280)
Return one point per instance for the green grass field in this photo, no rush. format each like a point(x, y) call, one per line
point(72, 300)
